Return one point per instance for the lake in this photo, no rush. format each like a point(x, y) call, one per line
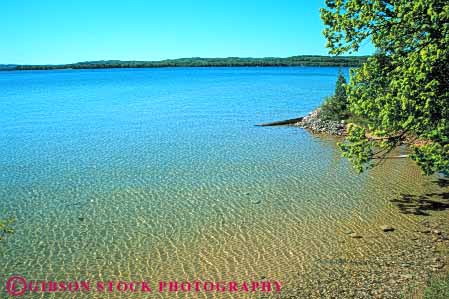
point(161, 174)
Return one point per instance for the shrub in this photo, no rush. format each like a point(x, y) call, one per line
point(336, 107)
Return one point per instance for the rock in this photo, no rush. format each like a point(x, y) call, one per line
point(81, 218)
point(425, 231)
point(355, 236)
point(314, 123)
point(387, 228)
point(348, 232)
point(436, 232)
point(437, 266)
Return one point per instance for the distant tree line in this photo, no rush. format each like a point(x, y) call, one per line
point(309, 60)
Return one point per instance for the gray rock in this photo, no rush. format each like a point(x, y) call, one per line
point(314, 123)
point(438, 266)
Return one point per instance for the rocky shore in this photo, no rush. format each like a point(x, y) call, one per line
point(314, 123)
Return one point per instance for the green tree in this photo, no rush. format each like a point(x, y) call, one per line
point(403, 92)
point(336, 107)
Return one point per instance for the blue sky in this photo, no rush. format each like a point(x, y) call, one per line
point(64, 31)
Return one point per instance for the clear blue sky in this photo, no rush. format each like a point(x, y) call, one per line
point(64, 31)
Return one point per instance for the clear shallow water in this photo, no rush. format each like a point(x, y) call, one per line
point(172, 180)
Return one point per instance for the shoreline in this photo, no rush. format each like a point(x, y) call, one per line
point(313, 123)
point(170, 67)
point(407, 271)
point(292, 61)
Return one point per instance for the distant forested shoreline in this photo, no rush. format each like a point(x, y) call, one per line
point(304, 60)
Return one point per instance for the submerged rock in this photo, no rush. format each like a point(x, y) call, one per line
point(387, 228)
point(355, 236)
point(437, 266)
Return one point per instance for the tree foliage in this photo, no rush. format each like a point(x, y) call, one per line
point(403, 91)
point(336, 107)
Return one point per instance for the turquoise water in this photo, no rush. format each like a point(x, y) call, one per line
point(161, 174)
